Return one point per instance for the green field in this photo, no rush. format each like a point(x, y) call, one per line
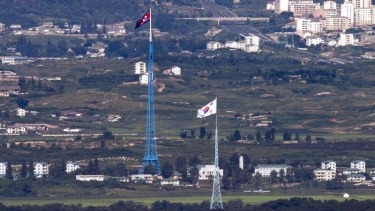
point(253, 199)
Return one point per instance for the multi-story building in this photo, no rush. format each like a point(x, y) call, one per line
point(313, 40)
point(336, 23)
point(308, 25)
point(140, 68)
point(16, 130)
point(41, 168)
point(3, 168)
point(358, 164)
point(266, 169)
point(71, 166)
point(143, 79)
point(252, 40)
point(327, 5)
point(360, 3)
point(213, 45)
point(329, 165)
point(300, 9)
point(346, 39)
point(347, 10)
point(281, 6)
point(324, 174)
point(363, 16)
point(349, 171)
point(207, 172)
point(355, 178)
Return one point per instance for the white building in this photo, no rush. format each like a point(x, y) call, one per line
point(40, 168)
point(281, 6)
point(349, 171)
point(21, 112)
point(270, 5)
point(336, 23)
point(231, 44)
point(300, 8)
point(207, 172)
point(329, 164)
point(347, 10)
point(92, 177)
point(71, 166)
point(16, 130)
point(174, 70)
point(358, 164)
point(143, 79)
point(170, 182)
point(266, 169)
point(3, 168)
point(346, 39)
point(363, 16)
point(252, 40)
point(324, 174)
point(140, 68)
point(213, 45)
point(252, 48)
point(147, 178)
point(308, 25)
point(329, 5)
point(15, 26)
point(313, 40)
point(14, 60)
point(355, 178)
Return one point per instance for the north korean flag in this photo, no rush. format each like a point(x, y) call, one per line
point(146, 18)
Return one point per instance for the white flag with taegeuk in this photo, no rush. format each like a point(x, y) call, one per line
point(207, 110)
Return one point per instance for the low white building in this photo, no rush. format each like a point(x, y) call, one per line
point(147, 178)
point(252, 48)
point(265, 169)
point(14, 60)
point(231, 44)
point(358, 164)
point(355, 178)
point(143, 79)
point(346, 39)
point(173, 182)
point(72, 130)
point(213, 45)
point(313, 40)
point(350, 171)
point(172, 71)
point(206, 172)
point(324, 174)
point(329, 165)
point(140, 68)
point(71, 166)
point(41, 168)
point(3, 168)
point(16, 130)
point(100, 178)
point(20, 112)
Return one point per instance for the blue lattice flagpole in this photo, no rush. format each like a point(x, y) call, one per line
point(151, 154)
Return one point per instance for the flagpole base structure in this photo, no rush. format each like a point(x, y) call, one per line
point(216, 201)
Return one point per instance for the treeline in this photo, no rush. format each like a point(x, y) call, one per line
point(105, 81)
point(293, 204)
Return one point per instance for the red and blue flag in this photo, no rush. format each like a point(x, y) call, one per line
point(145, 18)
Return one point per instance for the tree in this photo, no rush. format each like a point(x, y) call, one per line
point(96, 166)
point(257, 183)
point(181, 164)
point(202, 132)
point(9, 171)
point(308, 138)
point(102, 144)
point(194, 160)
point(258, 136)
point(22, 103)
point(149, 169)
point(31, 170)
point(297, 138)
point(273, 132)
point(268, 136)
point(192, 133)
point(166, 170)
point(237, 135)
point(183, 134)
point(287, 136)
point(121, 170)
point(273, 176)
point(209, 135)
point(23, 171)
point(226, 182)
point(108, 134)
point(281, 175)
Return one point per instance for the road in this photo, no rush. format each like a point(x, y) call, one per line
point(305, 54)
point(237, 27)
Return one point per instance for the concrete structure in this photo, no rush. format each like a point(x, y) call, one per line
point(324, 174)
point(170, 182)
point(3, 168)
point(146, 178)
point(143, 79)
point(252, 40)
point(213, 45)
point(336, 23)
point(349, 171)
point(329, 5)
point(20, 112)
point(313, 40)
point(346, 39)
point(358, 164)
point(308, 25)
point(265, 169)
point(40, 169)
point(241, 162)
point(206, 172)
point(302, 8)
point(16, 130)
point(281, 6)
point(231, 44)
point(140, 68)
point(92, 178)
point(270, 5)
point(356, 178)
point(71, 166)
point(329, 165)
point(14, 60)
point(363, 16)
point(347, 10)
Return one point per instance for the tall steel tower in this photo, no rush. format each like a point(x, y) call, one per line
point(151, 154)
point(216, 201)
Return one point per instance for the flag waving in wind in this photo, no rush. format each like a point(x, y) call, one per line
point(145, 18)
point(207, 110)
